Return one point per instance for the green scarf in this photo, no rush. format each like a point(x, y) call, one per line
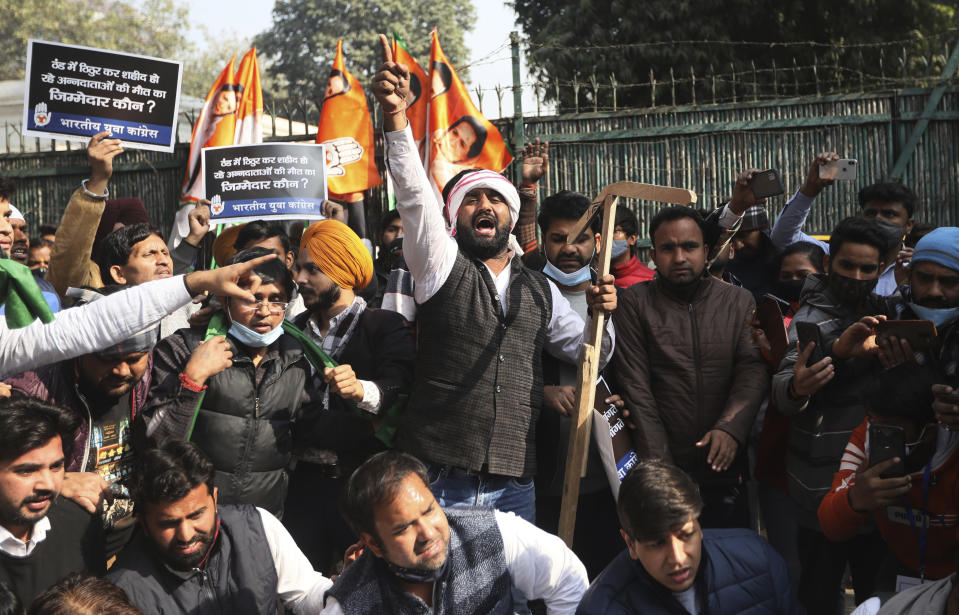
point(384, 425)
point(23, 302)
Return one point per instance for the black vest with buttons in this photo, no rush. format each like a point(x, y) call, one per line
point(479, 381)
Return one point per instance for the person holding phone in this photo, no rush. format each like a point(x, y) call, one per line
point(916, 511)
point(823, 404)
point(893, 203)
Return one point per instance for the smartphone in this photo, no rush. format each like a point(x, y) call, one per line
point(770, 318)
point(887, 442)
point(921, 334)
point(766, 183)
point(809, 332)
point(844, 168)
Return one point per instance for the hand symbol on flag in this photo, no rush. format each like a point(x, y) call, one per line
point(340, 152)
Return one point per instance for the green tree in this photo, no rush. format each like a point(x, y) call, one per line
point(154, 27)
point(300, 45)
point(573, 40)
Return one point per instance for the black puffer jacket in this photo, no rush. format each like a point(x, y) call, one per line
point(244, 424)
point(820, 426)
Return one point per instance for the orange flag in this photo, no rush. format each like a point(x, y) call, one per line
point(460, 137)
point(249, 108)
point(347, 132)
point(215, 125)
point(419, 85)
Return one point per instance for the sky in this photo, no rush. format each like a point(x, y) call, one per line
point(488, 43)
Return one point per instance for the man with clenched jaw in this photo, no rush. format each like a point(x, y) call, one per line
point(671, 565)
point(42, 537)
point(479, 384)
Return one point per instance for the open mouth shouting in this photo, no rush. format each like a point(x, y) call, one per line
point(484, 224)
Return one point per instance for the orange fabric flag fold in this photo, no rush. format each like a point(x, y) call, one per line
point(347, 132)
point(460, 137)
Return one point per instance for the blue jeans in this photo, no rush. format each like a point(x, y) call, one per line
point(456, 487)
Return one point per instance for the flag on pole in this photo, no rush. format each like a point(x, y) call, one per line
point(249, 107)
point(347, 132)
point(419, 86)
point(460, 137)
point(215, 125)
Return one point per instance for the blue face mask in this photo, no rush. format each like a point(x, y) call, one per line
point(619, 248)
point(249, 337)
point(940, 317)
point(566, 279)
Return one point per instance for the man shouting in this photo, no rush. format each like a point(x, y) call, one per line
point(479, 384)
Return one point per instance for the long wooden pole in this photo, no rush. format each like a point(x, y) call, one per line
point(587, 373)
point(588, 368)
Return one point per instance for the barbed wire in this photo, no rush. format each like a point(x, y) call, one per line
point(768, 44)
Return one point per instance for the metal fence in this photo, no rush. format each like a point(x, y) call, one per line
point(700, 147)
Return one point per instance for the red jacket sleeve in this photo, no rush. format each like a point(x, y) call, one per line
point(836, 516)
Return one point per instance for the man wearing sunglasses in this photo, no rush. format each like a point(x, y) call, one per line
point(235, 389)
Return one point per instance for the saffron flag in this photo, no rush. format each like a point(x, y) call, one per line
point(460, 137)
point(419, 86)
point(347, 132)
point(215, 126)
point(249, 107)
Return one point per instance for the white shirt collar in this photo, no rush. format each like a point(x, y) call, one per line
point(15, 547)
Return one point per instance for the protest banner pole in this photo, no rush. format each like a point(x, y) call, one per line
point(588, 368)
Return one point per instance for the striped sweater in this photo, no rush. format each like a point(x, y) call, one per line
point(840, 522)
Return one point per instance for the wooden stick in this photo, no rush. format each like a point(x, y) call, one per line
point(588, 370)
point(588, 367)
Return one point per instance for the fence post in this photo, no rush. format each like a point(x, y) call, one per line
point(692, 84)
point(652, 89)
point(672, 85)
point(612, 84)
point(755, 81)
point(732, 80)
point(519, 128)
point(595, 86)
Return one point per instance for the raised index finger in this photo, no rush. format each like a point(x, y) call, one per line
point(387, 48)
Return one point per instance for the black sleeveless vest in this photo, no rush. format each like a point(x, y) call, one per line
point(239, 578)
point(479, 382)
point(476, 581)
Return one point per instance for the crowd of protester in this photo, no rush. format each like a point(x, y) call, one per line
point(317, 427)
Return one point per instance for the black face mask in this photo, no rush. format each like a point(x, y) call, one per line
point(788, 290)
point(849, 291)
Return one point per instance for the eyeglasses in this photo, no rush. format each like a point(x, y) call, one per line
point(276, 307)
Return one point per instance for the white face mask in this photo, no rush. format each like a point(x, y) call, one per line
point(941, 317)
point(251, 338)
point(619, 247)
point(566, 279)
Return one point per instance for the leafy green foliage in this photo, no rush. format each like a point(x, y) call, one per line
point(629, 39)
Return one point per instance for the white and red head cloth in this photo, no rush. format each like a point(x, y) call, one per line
point(482, 179)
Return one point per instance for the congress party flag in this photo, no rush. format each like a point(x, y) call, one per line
point(460, 137)
point(214, 127)
point(347, 132)
point(419, 86)
point(249, 107)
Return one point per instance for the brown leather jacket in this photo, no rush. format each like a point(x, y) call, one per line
point(687, 368)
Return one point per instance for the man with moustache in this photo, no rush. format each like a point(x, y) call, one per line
point(105, 390)
point(195, 555)
point(419, 558)
point(375, 350)
point(42, 537)
point(688, 372)
point(479, 382)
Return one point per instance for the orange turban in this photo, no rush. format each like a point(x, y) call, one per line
point(223, 249)
point(339, 253)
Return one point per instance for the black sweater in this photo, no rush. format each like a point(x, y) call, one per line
point(73, 544)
